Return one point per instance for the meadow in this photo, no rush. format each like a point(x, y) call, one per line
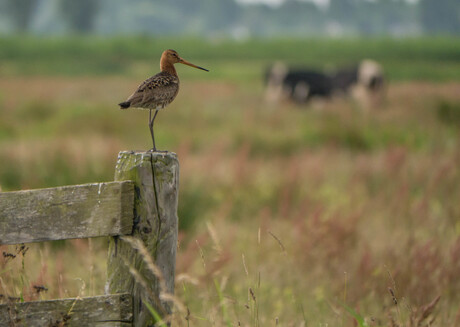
point(289, 215)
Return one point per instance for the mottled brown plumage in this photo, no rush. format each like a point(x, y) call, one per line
point(158, 91)
point(155, 93)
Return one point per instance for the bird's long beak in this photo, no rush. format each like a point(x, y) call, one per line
point(185, 62)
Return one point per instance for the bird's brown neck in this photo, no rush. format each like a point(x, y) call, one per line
point(166, 66)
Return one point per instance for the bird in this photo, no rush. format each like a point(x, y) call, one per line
point(158, 91)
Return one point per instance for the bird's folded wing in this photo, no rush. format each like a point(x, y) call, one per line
point(157, 91)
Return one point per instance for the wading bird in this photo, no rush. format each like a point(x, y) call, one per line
point(158, 91)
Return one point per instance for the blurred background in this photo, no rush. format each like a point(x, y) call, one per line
point(237, 19)
point(318, 206)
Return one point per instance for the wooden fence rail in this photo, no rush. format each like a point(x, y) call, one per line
point(142, 203)
point(77, 211)
point(104, 310)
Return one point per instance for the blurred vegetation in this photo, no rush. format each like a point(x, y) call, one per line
point(309, 207)
point(231, 18)
point(19, 13)
point(403, 59)
point(80, 16)
point(449, 112)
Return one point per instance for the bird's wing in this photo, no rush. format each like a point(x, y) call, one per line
point(156, 91)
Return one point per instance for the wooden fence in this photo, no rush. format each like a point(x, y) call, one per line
point(141, 203)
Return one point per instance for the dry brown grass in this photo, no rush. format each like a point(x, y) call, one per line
point(287, 212)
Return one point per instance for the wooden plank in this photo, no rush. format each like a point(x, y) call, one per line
point(156, 178)
point(98, 311)
point(76, 211)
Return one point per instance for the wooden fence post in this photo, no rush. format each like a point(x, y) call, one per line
point(156, 187)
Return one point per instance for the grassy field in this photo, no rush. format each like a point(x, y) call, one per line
point(404, 59)
point(290, 215)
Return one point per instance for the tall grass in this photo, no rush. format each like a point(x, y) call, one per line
point(290, 216)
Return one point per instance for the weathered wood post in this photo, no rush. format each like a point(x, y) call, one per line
point(156, 185)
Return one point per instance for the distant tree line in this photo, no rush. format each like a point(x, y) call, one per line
point(224, 17)
point(78, 16)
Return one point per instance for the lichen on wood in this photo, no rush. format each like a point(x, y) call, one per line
point(76, 211)
point(156, 182)
point(98, 311)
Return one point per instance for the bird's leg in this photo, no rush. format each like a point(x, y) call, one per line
point(151, 120)
point(151, 129)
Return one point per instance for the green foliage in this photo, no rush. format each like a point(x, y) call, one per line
point(402, 59)
point(358, 318)
point(296, 195)
point(157, 321)
point(449, 112)
point(79, 15)
point(440, 16)
point(193, 201)
point(231, 18)
point(19, 13)
point(222, 303)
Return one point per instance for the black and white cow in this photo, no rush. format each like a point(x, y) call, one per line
point(301, 85)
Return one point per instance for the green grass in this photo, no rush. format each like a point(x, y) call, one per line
point(449, 112)
point(403, 59)
point(317, 209)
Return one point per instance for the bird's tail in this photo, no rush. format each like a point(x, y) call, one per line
point(124, 105)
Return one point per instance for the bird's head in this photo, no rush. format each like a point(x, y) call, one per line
point(172, 57)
